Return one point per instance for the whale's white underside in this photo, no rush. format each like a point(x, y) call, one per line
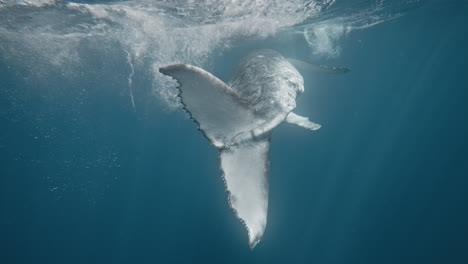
point(238, 120)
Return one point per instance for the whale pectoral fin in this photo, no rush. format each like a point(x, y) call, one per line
point(262, 129)
point(304, 122)
point(245, 167)
point(218, 110)
point(303, 66)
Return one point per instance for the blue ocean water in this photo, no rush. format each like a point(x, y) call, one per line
point(89, 177)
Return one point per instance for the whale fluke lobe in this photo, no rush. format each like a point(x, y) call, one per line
point(216, 107)
point(245, 169)
point(238, 119)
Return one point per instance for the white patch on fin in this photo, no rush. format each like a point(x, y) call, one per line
point(304, 122)
point(245, 169)
point(218, 110)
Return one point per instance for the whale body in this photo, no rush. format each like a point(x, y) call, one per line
point(238, 119)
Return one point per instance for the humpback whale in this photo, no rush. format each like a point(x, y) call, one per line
point(238, 119)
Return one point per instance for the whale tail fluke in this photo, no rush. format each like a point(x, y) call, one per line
point(228, 122)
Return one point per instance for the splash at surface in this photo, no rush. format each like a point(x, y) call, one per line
point(56, 34)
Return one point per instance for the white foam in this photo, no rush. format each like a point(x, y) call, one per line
point(156, 33)
point(130, 78)
point(324, 38)
point(36, 3)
